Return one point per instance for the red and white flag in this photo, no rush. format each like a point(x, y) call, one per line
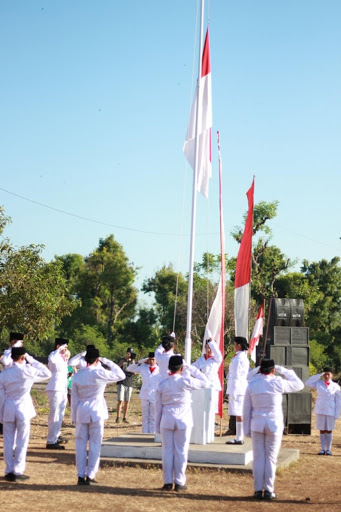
point(216, 320)
point(204, 107)
point(243, 273)
point(256, 333)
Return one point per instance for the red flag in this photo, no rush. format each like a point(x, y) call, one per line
point(256, 333)
point(204, 107)
point(243, 273)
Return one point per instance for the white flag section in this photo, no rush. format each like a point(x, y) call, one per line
point(203, 108)
point(213, 325)
point(241, 310)
point(256, 333)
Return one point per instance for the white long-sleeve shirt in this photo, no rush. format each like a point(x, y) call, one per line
point(6, 359)
point(263, 400)
point(87, 392)
point(237, 376)
point(211, 365)
point(173, 399)
point(150, 379)
point(162, 359)
point(15, 386)
point(58, 366)
point(78, 361)
point(328, 400)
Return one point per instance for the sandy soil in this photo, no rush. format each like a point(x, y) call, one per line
point(313, 483)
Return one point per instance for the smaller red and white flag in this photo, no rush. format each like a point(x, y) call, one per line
point(202, 106)
point(256, 333)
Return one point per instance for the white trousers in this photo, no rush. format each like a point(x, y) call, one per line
point(148, 416)
point(17, 432)
point(175, 445)
point(87, 464)
point(266, 446)
point(57, 402)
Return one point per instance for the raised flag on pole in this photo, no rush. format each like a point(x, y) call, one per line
point(243, 273)
point(204, 107)
point(256, 333)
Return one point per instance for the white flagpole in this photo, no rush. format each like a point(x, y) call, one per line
point(188, 339)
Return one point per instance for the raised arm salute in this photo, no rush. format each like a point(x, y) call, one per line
point(16, 409)
point(89, 410)
point(327, 407)
point(263, 421)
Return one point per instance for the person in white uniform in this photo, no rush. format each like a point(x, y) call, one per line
point(327, 407)
point(16, 409)
point(209, 364)
point(174, 419)
point(15, 340)
point(263, 422)
point(164, 352)
point(78, 361)
point(237, 384)
point(149, 371)
point(57, 394)
point(89, 410)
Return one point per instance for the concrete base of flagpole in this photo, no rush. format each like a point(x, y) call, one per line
point(141, 449)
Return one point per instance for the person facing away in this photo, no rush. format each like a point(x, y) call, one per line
point(164, 352)
point(17, 410)
point(89, 410)
point(174, 419)
point(327, 407)
point(78, 361)
point(57, 394)
point(16, 339)
point(150, 374)
point(263, 422)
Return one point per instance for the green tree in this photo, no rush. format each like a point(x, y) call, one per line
point(170, 290)
point(34, 294)
point(268, 262)
point(324, 277)
point(103, 282)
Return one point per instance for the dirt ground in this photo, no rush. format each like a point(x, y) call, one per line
point(313, 483)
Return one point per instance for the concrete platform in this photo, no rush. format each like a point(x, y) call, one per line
point(136, 448)
point(142, 446)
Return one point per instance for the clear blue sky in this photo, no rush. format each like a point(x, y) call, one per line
point(95, 100)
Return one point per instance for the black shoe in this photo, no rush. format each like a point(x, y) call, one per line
point(62, 440)
point(230, 433)
point(258, 495)
point(55, 446)
point(234, 441)
point(92, 481)
point(10, 477)
point(167, 487)
point(125, 420)
point(21, 477)
point(321, 452)
point(82, 481)
point(179, 488)
point(270, 495)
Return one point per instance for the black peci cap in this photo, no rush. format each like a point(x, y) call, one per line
point(16, 336)
point(91, 354)
point(267, 364)
point(175, 362)
point(18, 351)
